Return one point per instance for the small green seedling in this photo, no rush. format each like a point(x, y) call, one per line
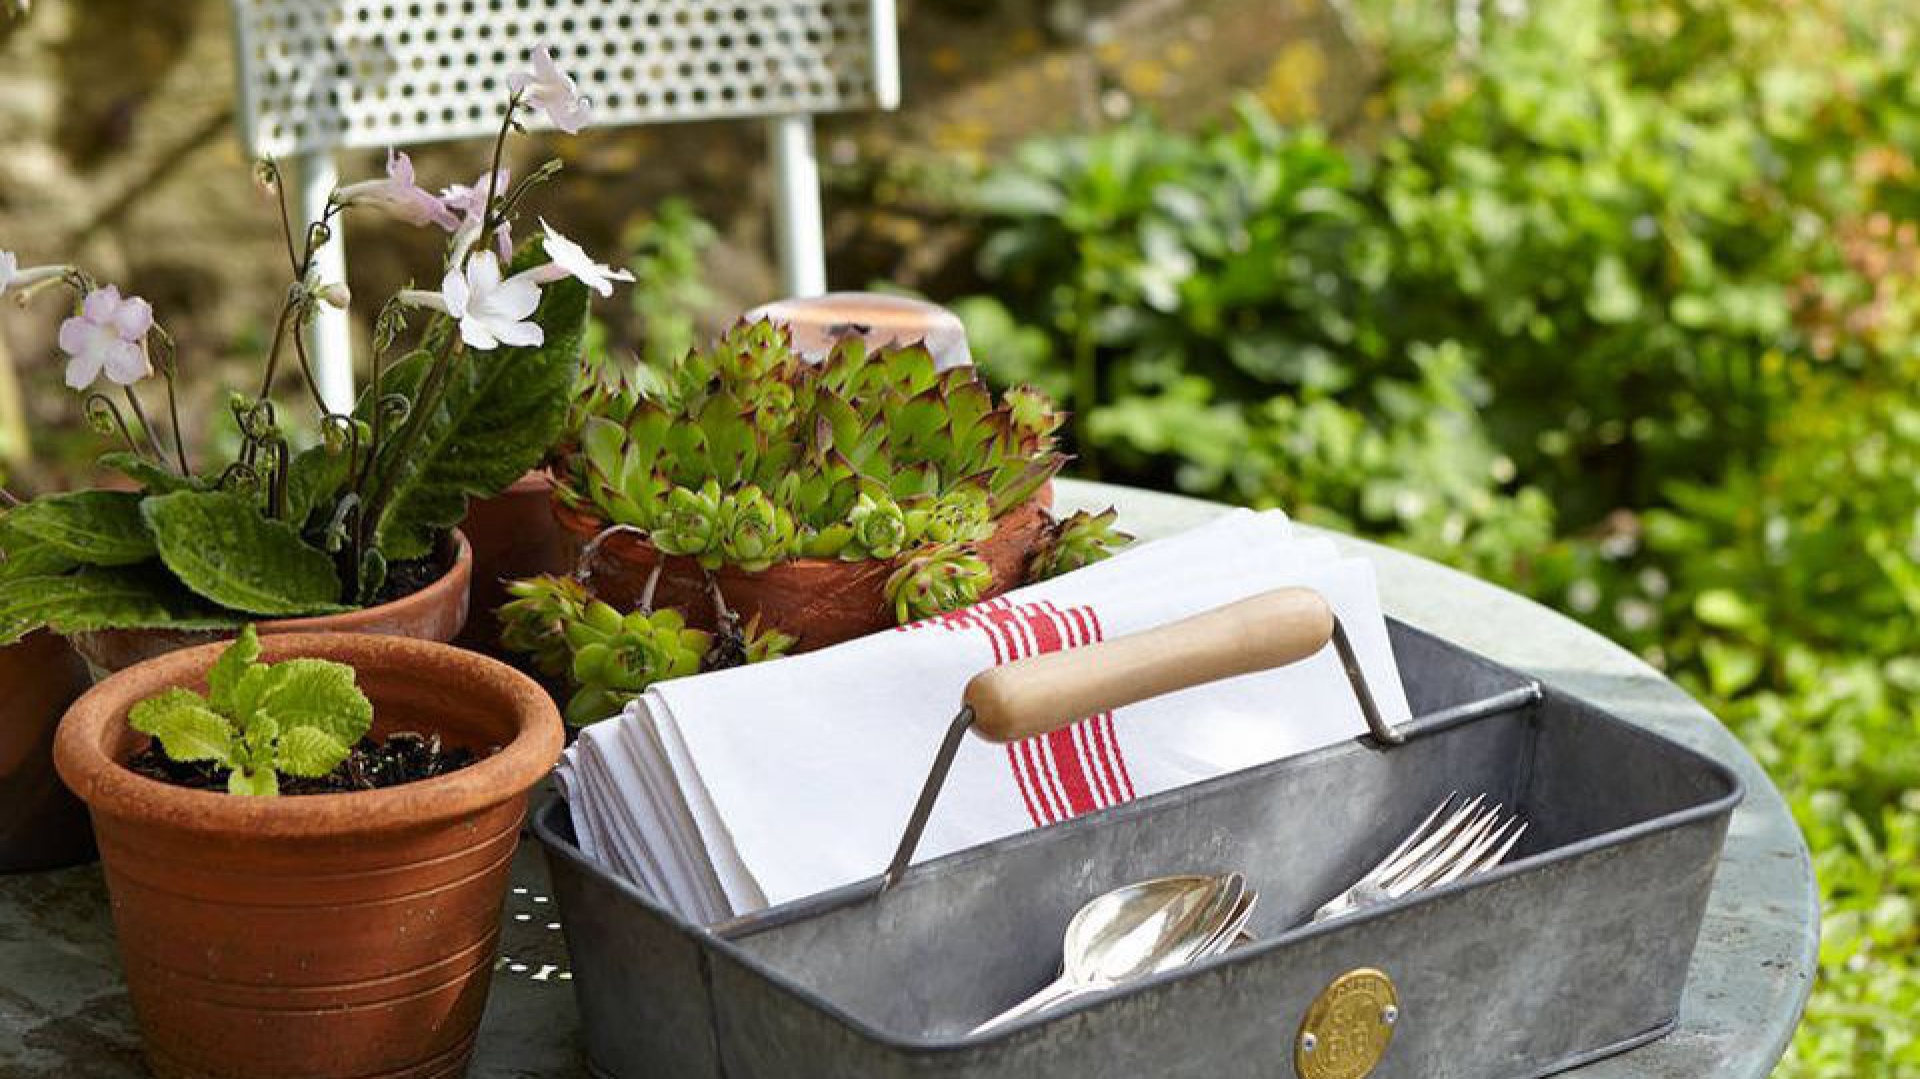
point(298, 718)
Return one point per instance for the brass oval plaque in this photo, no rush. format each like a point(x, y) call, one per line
point(1348, 1026)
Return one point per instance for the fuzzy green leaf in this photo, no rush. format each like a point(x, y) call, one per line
point(155, 479)
point(187, 729)
point(262, 783)
point(319, 695)
point(99, 528)
point(22, 555)
point(223, 678)
point(313, 478)
point(309, 751)
point(500, 412)
point(133, 597)
point(221, 546)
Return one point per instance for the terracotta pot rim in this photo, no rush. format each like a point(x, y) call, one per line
point(107, 786)
point(458, 576)
point(586, 526)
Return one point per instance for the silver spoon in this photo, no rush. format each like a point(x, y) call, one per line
point(1134, 931)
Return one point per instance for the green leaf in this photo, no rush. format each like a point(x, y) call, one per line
point(317, 694)
point(187, 729)
point(155, 479)
point(263, 783)
point(309, 751)
point(500, 412)
point(134, 597)
point(22, 555)
point(220, 545)
point(100, 528)
point(313, 478)
point(225, 674)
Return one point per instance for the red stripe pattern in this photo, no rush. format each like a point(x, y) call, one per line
point(1072, 771)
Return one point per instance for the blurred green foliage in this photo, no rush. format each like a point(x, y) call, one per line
point(1619, 305)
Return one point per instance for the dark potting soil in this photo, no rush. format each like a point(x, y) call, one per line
point(403, 758)
point(406, 578)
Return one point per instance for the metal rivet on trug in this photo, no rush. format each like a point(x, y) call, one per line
point(1308, 1043)
point(1390, 1015)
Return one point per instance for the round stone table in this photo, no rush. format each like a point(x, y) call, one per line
point(63, 1014)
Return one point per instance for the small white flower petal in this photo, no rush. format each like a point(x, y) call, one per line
point(453, 292)
point(520, 334)
point(475, 333)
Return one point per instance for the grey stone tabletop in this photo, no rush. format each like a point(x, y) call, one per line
point(63, 1012)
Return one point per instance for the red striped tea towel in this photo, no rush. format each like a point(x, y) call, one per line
point(729, 792)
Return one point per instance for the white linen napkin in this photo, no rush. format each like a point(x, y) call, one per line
point(725, 793)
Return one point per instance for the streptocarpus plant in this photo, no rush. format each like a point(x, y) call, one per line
point(300, 717)
point(469, 388)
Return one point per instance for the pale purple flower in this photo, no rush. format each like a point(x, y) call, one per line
point(570, 260)
point(470, 202)
point(399, 195)
point(107, 336)
point(492, 311)
point(552, 90)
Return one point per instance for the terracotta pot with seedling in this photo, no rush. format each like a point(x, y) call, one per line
point(343, 524)
point(780, 503)
point(307, 840)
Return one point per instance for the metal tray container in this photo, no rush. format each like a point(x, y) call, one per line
point(1575, 949)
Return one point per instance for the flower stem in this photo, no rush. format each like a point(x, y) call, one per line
point(140, 413)
point(490, 220)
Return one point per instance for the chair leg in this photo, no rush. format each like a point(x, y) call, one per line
point(796, 206)
point(330, 338)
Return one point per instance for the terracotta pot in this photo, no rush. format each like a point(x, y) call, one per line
point(514, 535)
point(316, 936)
point(821, 601)
point(42, 825)
point(435, 613)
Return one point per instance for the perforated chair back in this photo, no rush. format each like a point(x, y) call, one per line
point(321, 75)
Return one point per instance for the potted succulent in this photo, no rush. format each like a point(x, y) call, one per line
point(771, 503)
point(307, 840)
point(794, 490)
point(347, 524)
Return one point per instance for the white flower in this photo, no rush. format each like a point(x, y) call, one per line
point(491, 311)
point(570, 260)
point(108, 335)
point(399, 196)
point(548, 88)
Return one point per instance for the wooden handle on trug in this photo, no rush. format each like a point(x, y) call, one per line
point(1040, 694)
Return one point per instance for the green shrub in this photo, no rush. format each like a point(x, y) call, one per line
point(1619, 308)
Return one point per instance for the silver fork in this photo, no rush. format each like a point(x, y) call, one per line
point(1453, 842)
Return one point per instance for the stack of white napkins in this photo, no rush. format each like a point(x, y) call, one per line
point(729, 792)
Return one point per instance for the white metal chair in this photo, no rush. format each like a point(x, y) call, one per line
point(321, 75)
